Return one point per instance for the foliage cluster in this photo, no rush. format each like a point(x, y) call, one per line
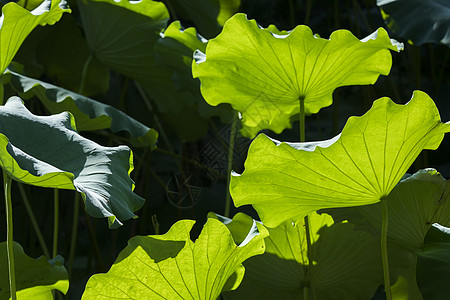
point(185, 92)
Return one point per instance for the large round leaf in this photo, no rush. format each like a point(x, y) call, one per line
point(263, 75)
point(47, 151)
point(417, 20)
point(171, 266)
point(35, 278)
point(358, 167)
point(16, 23)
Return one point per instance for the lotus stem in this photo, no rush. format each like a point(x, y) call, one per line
point(55, 223)
point(7, 181)
point(84, 74)
point(73, 240)
point(34, 223)
point(230, 164)
point(384, 253)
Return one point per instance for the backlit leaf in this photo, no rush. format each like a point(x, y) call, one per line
point(358, 167)
point(16, 23)
point(35, 278)
point(47, 151)
point(263, 75)
point(171, 266)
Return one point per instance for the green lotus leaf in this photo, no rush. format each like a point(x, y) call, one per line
point(418, 21)
point(171, 266)
point(89, 114)
point(264, 75)
point(35, 278)
point(346, 262)
point(47, 151)
point(16, 23)
point(360, 166)
point(207, 15)
point(433, 263)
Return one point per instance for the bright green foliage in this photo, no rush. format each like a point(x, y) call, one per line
point(47, 151)
point(16, 24)
point(89, 114)
point(171, 266)
point(417, 20)
point(358, 167)
point(263, 75)
point(207, 15)
point(346, 263)
point(35, 278)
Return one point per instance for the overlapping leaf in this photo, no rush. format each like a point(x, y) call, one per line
point(358, 167)
point(418, 21)
point(263, 75)
point(89, 114)
point(208, 16)
point(35, 278)
point(47, 151)
point(171, 266)
point(16, 23)
point(346, 263)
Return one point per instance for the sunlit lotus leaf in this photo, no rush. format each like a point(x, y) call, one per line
point(35, 278)
point(264, 75)
point(16, 23)
point(171, 266)
point(360, 166)
point(418, 21)
point(47, 151)
point(89, 114)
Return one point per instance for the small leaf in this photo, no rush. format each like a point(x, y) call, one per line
point(417, 20)
point(35, 278)
point(47, 151)
point(358, 167)
point(263, 75)
point(89, 114)
point(171, 266)
point(16, 23)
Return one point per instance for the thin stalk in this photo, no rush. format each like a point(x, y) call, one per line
point(73, 240)
point(55, 222)
point(306, 219)
point(34, 223)
point(7, 181)
point(230, 164)
point(84, 74)
point(308, 11)
point(384, 253)
point(2, 91)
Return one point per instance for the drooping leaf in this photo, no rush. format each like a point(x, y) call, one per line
point(346, 262)
point(208, 16)
point(35, 278)
point(358, 167)
point(418, 21)
point(89, 114)
point(171, 266)
point(16, 23)
point(47, 151)
point(263, 75)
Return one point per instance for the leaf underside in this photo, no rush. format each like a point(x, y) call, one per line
point(263, 75)
point(358, 167)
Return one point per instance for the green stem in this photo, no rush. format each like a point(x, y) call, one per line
point(9, 235)
point(230, 164)
point(33, 221)
point(84, 74)
point(73, 240)
point(55, 223)
point(384, 253)
point(2, 91)
point(308, 11)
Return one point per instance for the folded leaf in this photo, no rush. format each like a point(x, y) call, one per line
point(263, 74)
point(35, 278)
point(89, 114)
point(47, 151)
point(16, 23)
point(358, 167)
point(418, 21)
point(171, 266)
